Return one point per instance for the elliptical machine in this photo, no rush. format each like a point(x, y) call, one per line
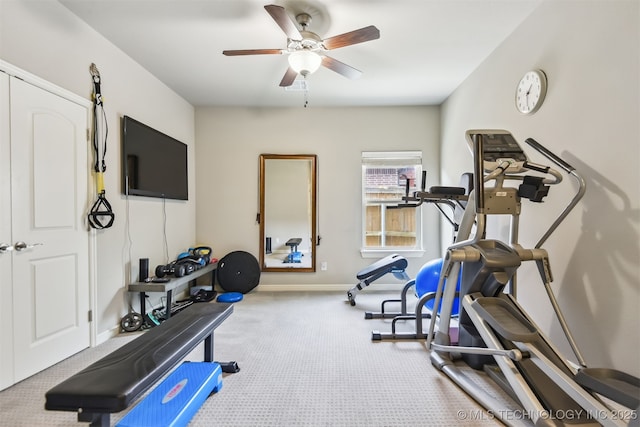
point(495, 333)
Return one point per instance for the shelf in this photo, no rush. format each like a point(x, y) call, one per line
point(173, 282)
point(171, 285)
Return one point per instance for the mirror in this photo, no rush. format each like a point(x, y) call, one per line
point(288, 212)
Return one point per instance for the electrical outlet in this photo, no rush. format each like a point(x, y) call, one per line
point(323, 266)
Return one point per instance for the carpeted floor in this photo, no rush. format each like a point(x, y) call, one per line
point(306, 359)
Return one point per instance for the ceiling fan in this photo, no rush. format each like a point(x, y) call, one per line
point(306, 49)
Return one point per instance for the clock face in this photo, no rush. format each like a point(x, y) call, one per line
point(531, 91)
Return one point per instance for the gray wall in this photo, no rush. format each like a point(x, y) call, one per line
point(590, 52)
point(230, 140)
point(45, 39)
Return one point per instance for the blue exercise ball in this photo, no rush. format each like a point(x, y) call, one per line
point(427, 282)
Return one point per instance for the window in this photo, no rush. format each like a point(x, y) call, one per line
point(384, 180)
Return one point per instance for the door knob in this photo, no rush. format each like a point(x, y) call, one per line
point(5, 247)
point(20, 246)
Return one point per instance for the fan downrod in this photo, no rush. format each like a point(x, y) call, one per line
point(304, 20)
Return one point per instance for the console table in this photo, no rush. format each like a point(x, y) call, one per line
point(168, 287)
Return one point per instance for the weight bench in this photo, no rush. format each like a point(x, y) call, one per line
point(111, 384)
point(395, 264)
point(294, 256)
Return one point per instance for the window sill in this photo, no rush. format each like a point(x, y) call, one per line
point(381, 253)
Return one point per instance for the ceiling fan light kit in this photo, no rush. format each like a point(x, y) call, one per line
point(306, 49)
point(304, 62)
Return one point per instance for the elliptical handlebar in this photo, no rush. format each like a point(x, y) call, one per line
point(550, 155)
point(582, 186)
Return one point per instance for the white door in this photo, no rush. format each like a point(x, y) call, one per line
point(48, 204)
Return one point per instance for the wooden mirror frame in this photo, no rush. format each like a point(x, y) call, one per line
point(265, 160)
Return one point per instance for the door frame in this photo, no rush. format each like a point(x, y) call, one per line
point(14, 71)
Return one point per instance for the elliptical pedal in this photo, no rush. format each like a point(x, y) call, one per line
point(616, 385)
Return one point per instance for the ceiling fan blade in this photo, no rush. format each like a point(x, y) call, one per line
point(289, 77)
point(353, 37)
point(252, 52)
point(282, 19)
point(341, 68)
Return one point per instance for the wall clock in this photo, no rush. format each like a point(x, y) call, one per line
point(531, 91)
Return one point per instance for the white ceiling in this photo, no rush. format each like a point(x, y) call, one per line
point(426, 47)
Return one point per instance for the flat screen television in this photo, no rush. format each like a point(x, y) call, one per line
point(153, 164)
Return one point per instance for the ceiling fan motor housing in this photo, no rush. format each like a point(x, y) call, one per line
point(310, 41)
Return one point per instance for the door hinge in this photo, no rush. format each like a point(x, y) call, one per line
point(90, 315)
point(88, 134)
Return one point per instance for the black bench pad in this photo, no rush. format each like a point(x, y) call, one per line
point(294, 241)
point(111, 384)
point(383, 266)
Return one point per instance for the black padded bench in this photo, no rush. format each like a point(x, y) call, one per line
point(111, 384)
point(395, 264)
point(294, 256)
point(293, 243)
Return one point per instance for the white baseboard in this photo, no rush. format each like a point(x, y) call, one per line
point(327, 287)
point(106, 335)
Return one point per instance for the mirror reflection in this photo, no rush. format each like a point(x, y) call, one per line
point(287, 212)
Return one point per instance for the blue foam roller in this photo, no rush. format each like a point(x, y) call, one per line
point(427, 281)
point(230, 297)
point(176, 399)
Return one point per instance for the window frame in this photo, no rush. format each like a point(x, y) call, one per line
point(396, 160)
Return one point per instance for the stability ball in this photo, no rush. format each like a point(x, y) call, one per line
point(427, 282)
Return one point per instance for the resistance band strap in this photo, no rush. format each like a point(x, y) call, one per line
point(100, 165)
point(100, 215)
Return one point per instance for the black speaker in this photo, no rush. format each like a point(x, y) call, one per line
point(144, 269)
point(268, 244)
